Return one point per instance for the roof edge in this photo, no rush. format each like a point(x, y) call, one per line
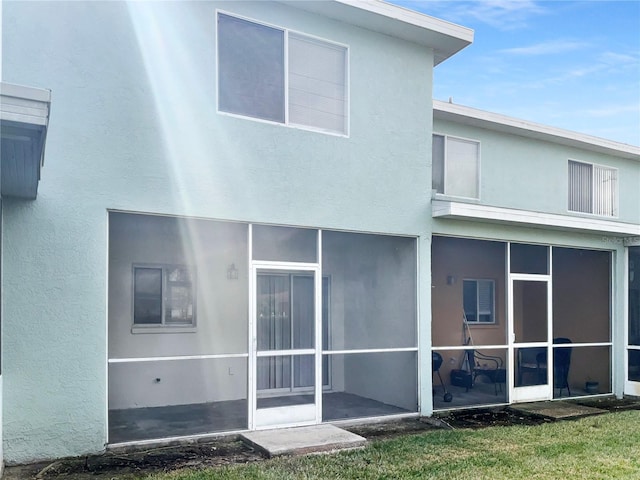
point(495, 121)
point(24, 92)
point(445, 38)
point(412, 17)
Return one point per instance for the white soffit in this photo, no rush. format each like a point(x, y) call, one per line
point(501, 123)
point(24, 104)
point(469, 211)
point(24, 118)
point(445, 38)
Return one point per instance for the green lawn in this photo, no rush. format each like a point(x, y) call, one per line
point(605, 446)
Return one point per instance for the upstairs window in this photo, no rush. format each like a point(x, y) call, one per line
point(478, 301)
point(593, 189)
point(163, 296)
point(276, 75)
point(456, 163)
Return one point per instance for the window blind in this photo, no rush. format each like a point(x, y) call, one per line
point(461, 176)
point(317, 84)
point(437, 163)
point(485, 297)
point(605, 185)
point(580, 181)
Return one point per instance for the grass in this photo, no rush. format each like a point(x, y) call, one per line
point(602, 447)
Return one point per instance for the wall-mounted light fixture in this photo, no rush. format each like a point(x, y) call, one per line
point(232, 272)
point(451, 280)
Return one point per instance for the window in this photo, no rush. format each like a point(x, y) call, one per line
point(478, 301)
point(280, 76)
point(163, 296)
point(593, 189)
point(455, 166)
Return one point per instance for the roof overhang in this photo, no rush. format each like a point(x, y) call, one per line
point(24, 120)
point(530, 219)
point(443, 37)
point(501, 123)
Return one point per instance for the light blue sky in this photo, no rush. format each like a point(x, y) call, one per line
point(569, 64)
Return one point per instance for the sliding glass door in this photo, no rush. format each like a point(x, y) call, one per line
point(286, 315)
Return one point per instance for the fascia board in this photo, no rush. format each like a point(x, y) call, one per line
point(22, 104)
point(466, 211)
point(443, 37)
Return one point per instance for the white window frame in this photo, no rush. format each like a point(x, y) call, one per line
point(493, 301)
point(287, 123)
point(163, 327)
point(593, 189)
point(444, 192)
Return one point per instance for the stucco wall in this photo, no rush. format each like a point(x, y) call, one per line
point(134, 127)
point(523, 173)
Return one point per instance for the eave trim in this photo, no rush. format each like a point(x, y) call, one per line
point(465, 211)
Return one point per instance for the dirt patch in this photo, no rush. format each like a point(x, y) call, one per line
point(380, 431)
point(126, 465)
point(131, 464)
point(490, 417)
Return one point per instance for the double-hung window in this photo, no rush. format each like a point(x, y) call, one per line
point(280, 76)
point(456, 166)
point(163, 296)
point(593, 189)
point(479, 300)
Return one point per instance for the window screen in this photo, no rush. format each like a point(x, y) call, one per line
point(147, 308)
point(250, 69)
point(462, 168)
point(437, 160)
point(253, 75)
point(455, 166)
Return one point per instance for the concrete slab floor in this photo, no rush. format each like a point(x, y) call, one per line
point(303, 440)
point(557, 410)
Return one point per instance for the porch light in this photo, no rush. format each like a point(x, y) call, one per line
point(232, 272)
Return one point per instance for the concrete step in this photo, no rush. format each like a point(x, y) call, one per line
point(558, 410)
point(303, 440)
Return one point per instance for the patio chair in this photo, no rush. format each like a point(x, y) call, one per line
point(561, 364)
point(489, 366)
point(532, 361)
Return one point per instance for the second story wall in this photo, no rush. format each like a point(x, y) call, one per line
point(136, 126)
point(531, 174)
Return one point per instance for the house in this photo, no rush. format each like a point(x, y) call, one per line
point(254, 215)
point(535, 237)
